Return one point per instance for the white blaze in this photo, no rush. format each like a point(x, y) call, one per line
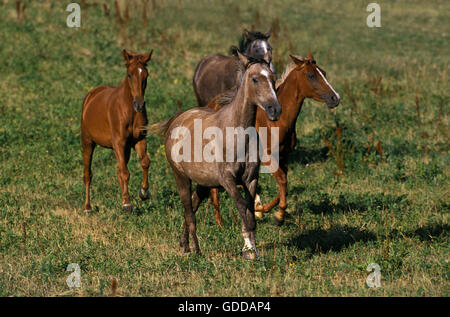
point(264, 45)
point(326, 81)
point(265, 73)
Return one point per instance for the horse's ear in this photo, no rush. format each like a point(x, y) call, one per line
point(242, 58)
point(309, 56)
point(267, 34)
point(246, 33)
point(128, 55)
point(147, 57)
point(249, 35)
point(297, 59)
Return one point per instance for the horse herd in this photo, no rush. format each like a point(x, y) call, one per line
point(238, 91)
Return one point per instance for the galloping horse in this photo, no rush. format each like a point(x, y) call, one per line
point(215, 74)
point(255, 91)
point(114, 117)
point(302, 79)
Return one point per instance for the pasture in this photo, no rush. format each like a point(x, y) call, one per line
point(368, 184)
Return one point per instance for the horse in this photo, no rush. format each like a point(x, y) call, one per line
point(303, 78)
point(216, 73)
point(114, 117)
point(255, 90)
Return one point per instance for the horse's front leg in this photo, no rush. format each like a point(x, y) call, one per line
point(246, 211)
point(282, 192)
point(122, 152)
point(141, 149)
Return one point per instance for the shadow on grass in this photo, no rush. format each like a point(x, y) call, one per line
point(426, 233)
point(335, 239)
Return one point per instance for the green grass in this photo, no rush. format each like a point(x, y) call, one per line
point(391, 209)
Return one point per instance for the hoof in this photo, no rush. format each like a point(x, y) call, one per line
point(144, 194)
point(127, 208)
point(249, 255)
point(259, 214)
point(278, 221)
point(89, 210)
point(258, 205)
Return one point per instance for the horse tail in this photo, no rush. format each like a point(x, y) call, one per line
point(161, 128)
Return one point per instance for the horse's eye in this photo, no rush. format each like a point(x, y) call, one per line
point(255, 80)
point(129, 75)
point(314, 62)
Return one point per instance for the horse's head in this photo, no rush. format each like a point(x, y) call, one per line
point(313, 82)
point(256, 45)
point(137, 76)
point(260, 80)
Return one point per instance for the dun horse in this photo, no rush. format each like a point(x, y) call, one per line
point(255, 91)
point(302, 79)
point(215, 74)
point(115, 117)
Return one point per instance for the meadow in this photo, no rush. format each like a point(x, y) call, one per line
point(368, 184)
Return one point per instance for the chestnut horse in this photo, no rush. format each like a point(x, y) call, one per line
point(216, 73)
point(115, 117)
point(255, 91)
point(302, 79)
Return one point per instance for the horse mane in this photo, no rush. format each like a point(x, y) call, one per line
point(227, 97)
point(289, 68)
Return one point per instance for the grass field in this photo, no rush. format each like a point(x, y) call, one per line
point(390, 204)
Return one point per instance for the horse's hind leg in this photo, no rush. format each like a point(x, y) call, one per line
point(88, 150)
point(184, 190)
point(215, 200)
point(141, 149)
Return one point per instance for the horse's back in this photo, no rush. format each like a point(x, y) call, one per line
point(213, 75)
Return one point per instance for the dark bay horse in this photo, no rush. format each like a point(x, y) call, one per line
point(255, 91)
point(217, 73)
point(302, 79)
point(115, 117)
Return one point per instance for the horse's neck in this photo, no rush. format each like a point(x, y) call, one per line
point(126, 96)
point(291, 100)
point(242, 112)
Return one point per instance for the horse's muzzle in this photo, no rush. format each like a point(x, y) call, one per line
point(333, 101)
point(138, 105)
point(273, 110)
point(272, 68)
